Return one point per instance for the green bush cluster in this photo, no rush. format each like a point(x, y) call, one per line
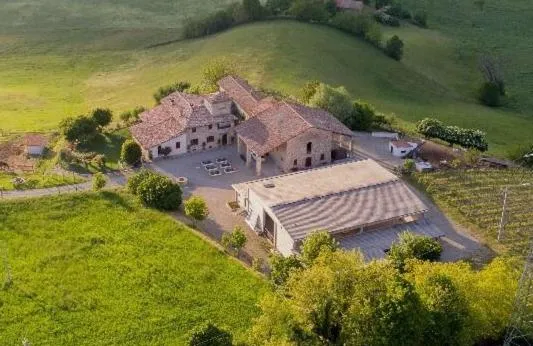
point(394, 48)
point(386, 19)
point(132, 116)
point(467, 138)
point(130, 152)
point(155, 190)
point(169, 89)
point(99, 181)
point(84, 128)
point(359, 25)
point(411, 246)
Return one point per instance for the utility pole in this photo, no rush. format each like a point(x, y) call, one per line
point(520, 332)
point(503, 220)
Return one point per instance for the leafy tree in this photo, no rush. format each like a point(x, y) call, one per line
point(394, 48)
point(82, 129)
point(334, 100)
point(277, 7)
point(492, 72)
point(216, 22)
point(489, 94)
point(159, 192)
point(130, 152)
point(430, 128)
point(358, 25)
point(411, 246)
point(135, 180)
point(282, 267)
point(309, 10)
point(420, 18)
point(196, 208)
point(362, 116)
point(235, 240)
point(99, 181)
point(214, 71)
point(447, 311)
point(102, 117)
point(169, 89)
point(132, 116)
point(210, 335)
point(315, 244)
point(374, 35)
point(253, 10)
point(309, 90)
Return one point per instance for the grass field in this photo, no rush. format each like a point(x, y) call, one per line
point(108, 62)
point(98, 269)
point(37, 180)
point(477, 197)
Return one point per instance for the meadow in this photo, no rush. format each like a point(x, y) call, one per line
point(99, 269)
point(116, 55)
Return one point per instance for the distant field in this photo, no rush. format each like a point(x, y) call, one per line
point(106, 61)
point(98, 269)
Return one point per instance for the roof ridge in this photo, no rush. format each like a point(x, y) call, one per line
point(243, 88)
point(298, 113)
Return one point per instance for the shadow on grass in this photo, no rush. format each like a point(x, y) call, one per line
point(107, 144)
point(117, 199)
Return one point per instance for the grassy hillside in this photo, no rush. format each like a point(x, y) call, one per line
point(44, 78)
point(98, 269)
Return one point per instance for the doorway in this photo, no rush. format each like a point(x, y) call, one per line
point(308, 162)
point(224, 139)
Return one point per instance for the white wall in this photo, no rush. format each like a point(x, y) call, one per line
point(284, 242)
point(172, 144)
point(34, 150)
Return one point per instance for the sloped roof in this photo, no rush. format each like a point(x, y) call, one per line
point(35, 140)
point(242, 93)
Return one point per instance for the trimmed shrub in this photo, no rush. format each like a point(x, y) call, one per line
point(467, 138)
point(490, 94)
point(159, 192)
point(196, 208)
point(430, 128)
point(394, 48)
point(169, 89)
point(131, 152)
point(210, 335)
point(309, 10)
point(135, 180)
point(102, 117)
point(411, 246)
point(99, 182)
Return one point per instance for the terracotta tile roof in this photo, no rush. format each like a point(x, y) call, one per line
point(34, 139)
point(219, 96)
point(242, 93)
point(283, 121)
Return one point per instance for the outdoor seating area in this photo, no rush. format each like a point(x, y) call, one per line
point(218, 166)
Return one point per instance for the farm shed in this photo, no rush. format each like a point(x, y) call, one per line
point(35, 143)
point(401, 148)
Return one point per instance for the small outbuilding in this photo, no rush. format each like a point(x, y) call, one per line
point(350, 5)
point(35, 144)
point(401, 148)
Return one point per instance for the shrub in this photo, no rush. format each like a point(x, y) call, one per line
point(522, 154)
point(374, 34)
point(159, 192)
point(309, 90)
point(210, 335)
point(394, 48)
point(135, 180)
point(396, 10)
point(420, 18)
point(386, 19)
point(130, 152)
point(214, 71)
point(209, 25)
point(277, 7)
point(430, 128)
point(409, 166)
point(169, 89)
point(315, 244)
point(131, 116)
point(99, 181)
point(235, 240)
point(82, 129)
point(196, 208)
point(283, 267)
point(490, 94)
point(252, 10)
point(102, 117)
point(411, 246)
point(98, 161)
point(334, 100)
point(362, 116)
point(309, 10)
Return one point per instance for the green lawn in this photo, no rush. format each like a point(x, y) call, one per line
point(99, 269)
point(37, 180)
point(44, 78)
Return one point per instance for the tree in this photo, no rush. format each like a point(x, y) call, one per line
point(411, 246)
point(315, 244)
point(135, 180)
point(99, 181)
point(362, 116)
point(214, 71)
point(82, 129)
point(196, 208)
point(492, 72)
point(489, 94)
point(253, 10)
point(334, 100)
point(235, 240)
point(409, 166)
point(277, 7)
point(394, 48)
point(102, 117)
point(309, 10)
point(131, 116)
point(159, 192)
point(281, 267)
point(130, 152)
point(210, 335)
point(163, 92)
point(309, 89)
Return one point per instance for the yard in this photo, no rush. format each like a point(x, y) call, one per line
point(37, 180)
point(99, 269)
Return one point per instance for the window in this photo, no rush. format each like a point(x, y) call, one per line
point(295, 162)
point(210, 139)
point(309, 147)
point(193, 130)
point(210, 127)
point(194, 141)
point(321, 157)
point(178, 145)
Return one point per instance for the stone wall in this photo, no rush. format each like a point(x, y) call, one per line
point(321, 145)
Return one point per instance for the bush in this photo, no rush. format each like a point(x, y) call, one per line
point(158, 191)
point(283, 267)
point(394, 48)
point(169, 89)
point(334, 100)
point(209, 25)
point(277, 7)
point(386, 19)
point(467, 138)
point(420, 18)
point(309, 10)
point(411, 246)
point(81, 129)
point(522, 154)
point(131, 116)
point(430, 128)
point(135, 180)
point(130, 152)
point(374, 35)
point(98, 161)
point(396, 10)
point(309, 90)
point(102, 117)
point(315, 244)
point(490, 94)
point(409, 166)
point(214, 71)
point(235, 240)
point(210, 335)
point(362, 116)
point(252, 10)
point(99, 181)
point(359, 25)
point(196, 208)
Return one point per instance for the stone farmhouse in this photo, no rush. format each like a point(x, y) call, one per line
point(292, 135)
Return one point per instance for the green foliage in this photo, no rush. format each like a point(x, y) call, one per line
point(81, 129)
point(196, 208)
point(210, 335)
point(235, 240)
point(420, 18)
point(119, 262)
point(277, 7)
point(253, 10)
point(362, 116)
point(409, 166)
point(211, 24)
point(310, 10)
point(309, 89)
point(157, 191)
point(381, 3)
point(334, 100)
point(522, 154)
point(169, 89)
point(374, 35)
point(315, 244)
point(394, 48)
point(360, 25)
point(467, 138)
point(99, 181)
point(282, 267)
point(214, 71)
point(412, 246)
point(131, 152)
point(135, 180)
point(430, 128)
point(102, 117)
point(386, 19)
point(398, 11)
point(132, 116)
point(489, 94)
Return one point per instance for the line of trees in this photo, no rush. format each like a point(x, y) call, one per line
point(467, 138)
